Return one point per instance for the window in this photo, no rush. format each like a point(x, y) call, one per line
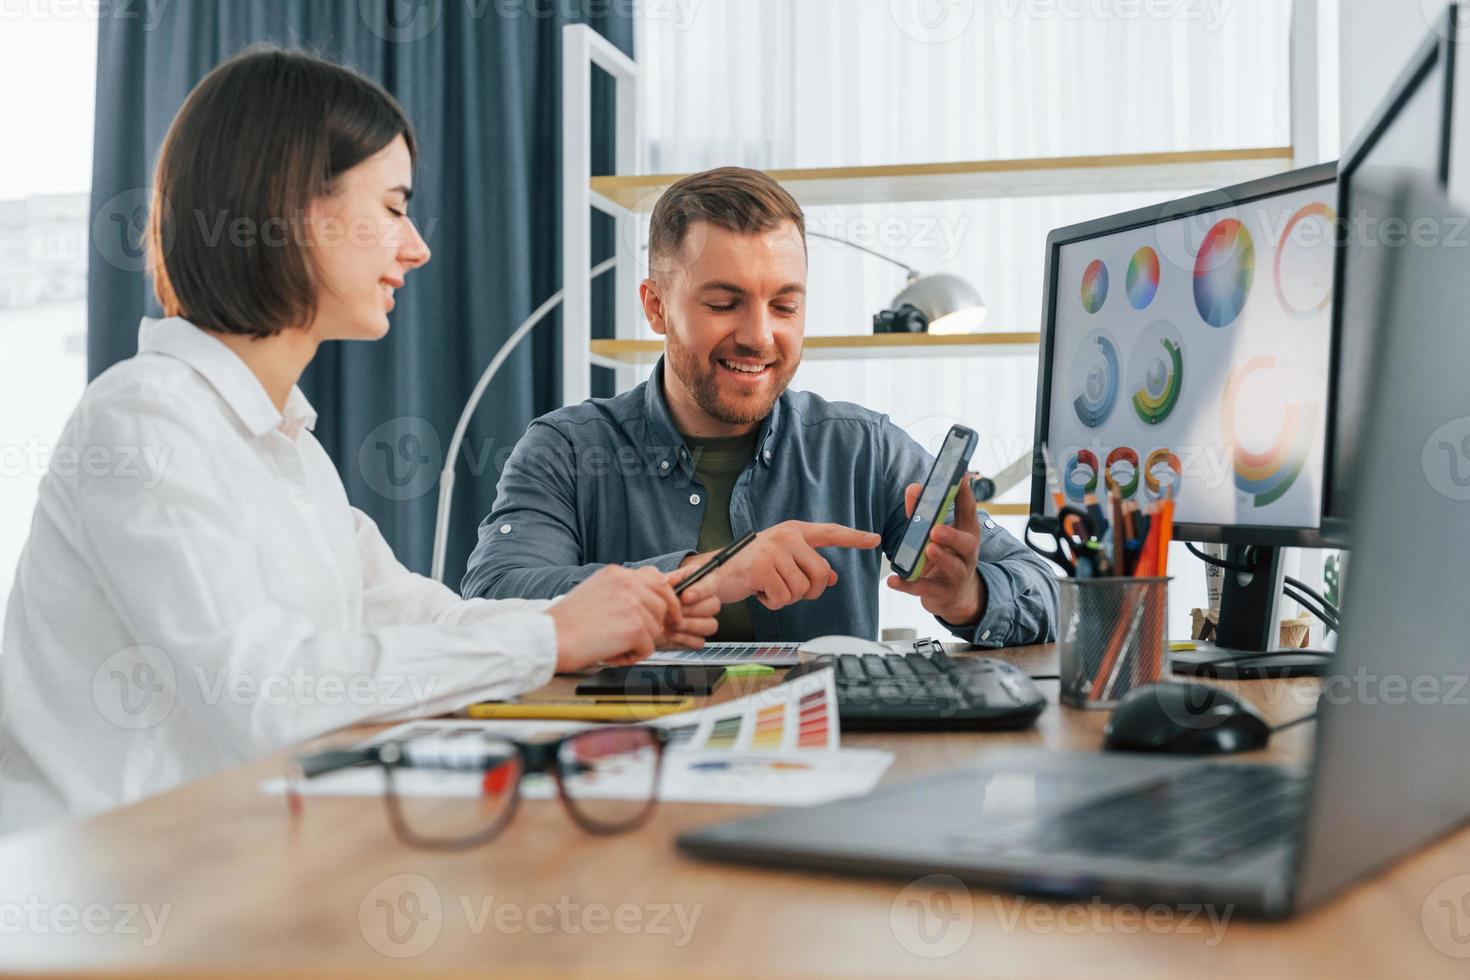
point(45, 180)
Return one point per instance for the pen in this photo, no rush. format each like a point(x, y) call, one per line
point(1099, 520)
point(722, 556)
point(1120, 538)
point(1166, 533)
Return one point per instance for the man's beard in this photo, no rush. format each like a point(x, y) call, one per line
point(701, 380)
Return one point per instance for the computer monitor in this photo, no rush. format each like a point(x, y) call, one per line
point(1185, 350)
point(1409, 135)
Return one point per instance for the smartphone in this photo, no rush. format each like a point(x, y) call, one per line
point(653, 680)
point(936, 501)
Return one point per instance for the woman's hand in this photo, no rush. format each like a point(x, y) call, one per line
point(700, 606)
point(619, 615)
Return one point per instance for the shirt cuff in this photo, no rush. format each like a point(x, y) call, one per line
point(541, 664)
point(995, 627)
point(533, 659)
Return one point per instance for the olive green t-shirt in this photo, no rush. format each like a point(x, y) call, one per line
point(718, 463)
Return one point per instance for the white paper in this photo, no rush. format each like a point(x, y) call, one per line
point(688, 776)
point(777, 747)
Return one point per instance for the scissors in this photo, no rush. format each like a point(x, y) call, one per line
point(1073, 541)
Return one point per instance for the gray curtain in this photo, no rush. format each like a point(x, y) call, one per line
point(480, 80)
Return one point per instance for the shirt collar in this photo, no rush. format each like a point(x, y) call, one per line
point(227, 374)
point(667, 442)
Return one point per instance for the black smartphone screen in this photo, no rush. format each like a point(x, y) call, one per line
point(948, 469)
point(653, 680)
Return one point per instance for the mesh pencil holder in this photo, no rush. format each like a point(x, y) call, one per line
point(1112, 638)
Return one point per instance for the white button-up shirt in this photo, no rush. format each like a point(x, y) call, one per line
point(197, 592)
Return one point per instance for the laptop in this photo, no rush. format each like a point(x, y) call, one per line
point(731, 653)
point(1392, 760)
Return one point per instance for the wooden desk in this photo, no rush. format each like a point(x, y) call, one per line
point(248, 891)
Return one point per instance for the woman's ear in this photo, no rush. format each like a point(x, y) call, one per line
point(653, 306)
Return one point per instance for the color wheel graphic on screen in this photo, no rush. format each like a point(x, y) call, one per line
point(1156, 371)
point(1163, 475)
point(1306, 250)
point(1079, 476)
point(1265, 476)
point(1143, 278)
point(1122, 472)
point(1223, 272)
point(1095, 378)
point(1094, 286)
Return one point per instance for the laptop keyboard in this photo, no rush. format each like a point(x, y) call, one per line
point(1208, 815)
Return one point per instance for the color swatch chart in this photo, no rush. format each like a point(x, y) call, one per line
point(800, 714)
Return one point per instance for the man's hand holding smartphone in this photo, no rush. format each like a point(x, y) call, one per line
point(949, 586)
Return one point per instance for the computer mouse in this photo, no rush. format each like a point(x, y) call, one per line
point(835, 645)
point(1186, 719)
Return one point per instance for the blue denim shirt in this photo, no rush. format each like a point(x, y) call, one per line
point(612, 481)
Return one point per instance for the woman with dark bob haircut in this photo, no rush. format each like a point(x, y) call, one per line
point(196, 591)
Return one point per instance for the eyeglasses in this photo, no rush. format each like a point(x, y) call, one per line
point(606, 778)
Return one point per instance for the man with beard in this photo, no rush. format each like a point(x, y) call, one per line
point(713, 445)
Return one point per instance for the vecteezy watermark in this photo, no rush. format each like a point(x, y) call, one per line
point(150, 12)
point(1099, 918)
point(569, 917)
point(1437, 14)
point(932, 21)
point(941, 234)
point(403, 916)
point(400, 459)
point(933, 917)
point(135, 688)
point(302, 688)
point(1212, 13)
point(120, 229)
point(144, 464)
point(1445, 917)
point(406, 21)
point(37, 918)
point(1446, 459)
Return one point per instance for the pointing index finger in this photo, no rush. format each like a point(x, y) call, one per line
point(838, 536)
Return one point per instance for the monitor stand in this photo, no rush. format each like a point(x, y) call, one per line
point(1247, 639)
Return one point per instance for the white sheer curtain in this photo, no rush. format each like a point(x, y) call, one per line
point(807, 83)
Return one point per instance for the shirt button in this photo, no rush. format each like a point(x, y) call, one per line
point(768, 455)
point(990, 525)
point(505, 529)
point(694, 499)
point(664, 465)
point(985, 635)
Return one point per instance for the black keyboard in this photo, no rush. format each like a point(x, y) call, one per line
point(1210, 815)
point(928, 691)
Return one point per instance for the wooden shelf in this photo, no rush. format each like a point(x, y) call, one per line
point(1192, 170)
point(623, 353)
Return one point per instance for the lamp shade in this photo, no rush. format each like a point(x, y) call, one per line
point(950, 303)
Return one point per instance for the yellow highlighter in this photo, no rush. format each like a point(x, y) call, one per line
point(581, 709)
